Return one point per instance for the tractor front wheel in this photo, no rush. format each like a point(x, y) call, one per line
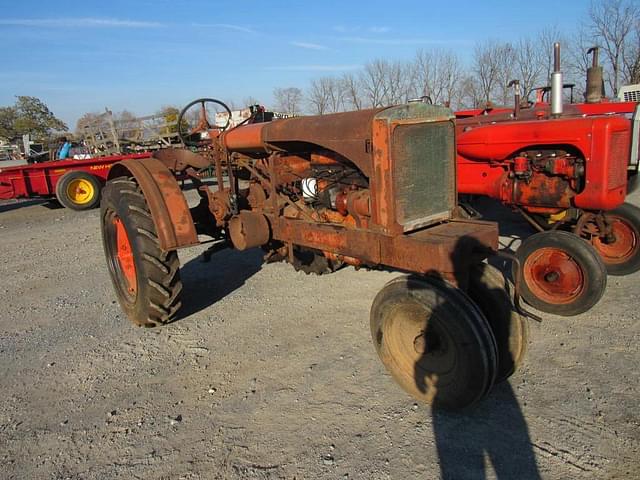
point(560, 273)
point(620, 253)
point(146, 279)
point(434, 341)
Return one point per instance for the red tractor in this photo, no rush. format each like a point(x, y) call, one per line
point(368, 188)
point(565, 168)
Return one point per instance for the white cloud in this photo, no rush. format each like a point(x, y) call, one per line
point(225, 26)
point(314, 68)
point(310, 46)
point(80, 22)
point(379, 29)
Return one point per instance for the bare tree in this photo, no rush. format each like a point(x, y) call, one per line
point(371, 80)
point(471, 94)
point(352, 91)
point(385, 83)
point(288, 100)
point(576, 61)
point(631, 56)
point(528, 65)
point(326, 95)
point(436, 74)
point(491, 68)
point(612, 24)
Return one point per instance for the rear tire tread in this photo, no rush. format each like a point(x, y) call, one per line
point(161, 287)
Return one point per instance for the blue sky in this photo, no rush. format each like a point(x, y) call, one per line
point(81, 56)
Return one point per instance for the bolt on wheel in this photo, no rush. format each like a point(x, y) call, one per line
point(560, 273)
point(434, 341)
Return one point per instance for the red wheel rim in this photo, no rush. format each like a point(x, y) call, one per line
point(553, 276)
point(124, 255)
point(623, 247)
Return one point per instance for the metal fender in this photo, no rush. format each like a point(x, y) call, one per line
point(168, 206)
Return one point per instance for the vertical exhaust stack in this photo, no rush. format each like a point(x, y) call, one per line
point(556, 83)
point(595, 79)
point(516, 96)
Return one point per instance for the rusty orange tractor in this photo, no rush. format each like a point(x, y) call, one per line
point(370, 188)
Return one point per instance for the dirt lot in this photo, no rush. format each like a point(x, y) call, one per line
point(271, 374)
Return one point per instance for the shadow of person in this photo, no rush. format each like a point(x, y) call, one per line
point(493, 434)
point(204, 283)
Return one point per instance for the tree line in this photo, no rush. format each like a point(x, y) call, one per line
point(612, 25)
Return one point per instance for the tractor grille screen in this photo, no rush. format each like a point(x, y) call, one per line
point(618, 148)
point(423, 172)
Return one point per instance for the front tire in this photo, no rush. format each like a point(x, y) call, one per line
point(434, 341)
point(78, 190)
point(146, 279)
point(622, 255)
point(560, 273)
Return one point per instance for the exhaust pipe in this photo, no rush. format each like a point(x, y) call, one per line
point(556, 83)
point(516, 96)
point(595, 79)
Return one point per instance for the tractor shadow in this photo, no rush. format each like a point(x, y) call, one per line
point(205, 283)
point(47, 203)
point(491, 434)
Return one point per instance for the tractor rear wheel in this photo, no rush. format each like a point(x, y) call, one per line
point(493, 293)
point(434, 341)
point(560, 273)
point(78, 190)
point(621, 255)
point(146, 279)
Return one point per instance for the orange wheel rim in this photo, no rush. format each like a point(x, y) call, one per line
point(125, 256)
point(623, 247)
point(553, 276)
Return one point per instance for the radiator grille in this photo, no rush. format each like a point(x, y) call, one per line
point(423, 172)
point(618, 149)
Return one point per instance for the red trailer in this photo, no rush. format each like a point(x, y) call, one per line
point(75, 183)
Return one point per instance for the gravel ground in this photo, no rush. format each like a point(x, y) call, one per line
point(271, 374)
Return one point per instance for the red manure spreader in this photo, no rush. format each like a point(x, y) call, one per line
point(373, 188)
point(76, 184)
point(566, 169)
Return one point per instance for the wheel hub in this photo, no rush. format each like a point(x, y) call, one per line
point(124, 255)
point(621, 247)
point(80, 191)
point(553, 275)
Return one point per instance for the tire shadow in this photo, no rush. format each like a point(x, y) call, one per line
point(495, 431)
point(205, 283)
point(492, 431)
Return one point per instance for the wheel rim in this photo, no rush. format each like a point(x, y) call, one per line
point(80, 191)
point(124, 258)
point(554, 276)
point(412, 354)
point(624, 246)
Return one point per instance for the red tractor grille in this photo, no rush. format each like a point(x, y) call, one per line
point(618, 149)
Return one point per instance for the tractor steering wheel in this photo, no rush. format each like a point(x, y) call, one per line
point(203, 122)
